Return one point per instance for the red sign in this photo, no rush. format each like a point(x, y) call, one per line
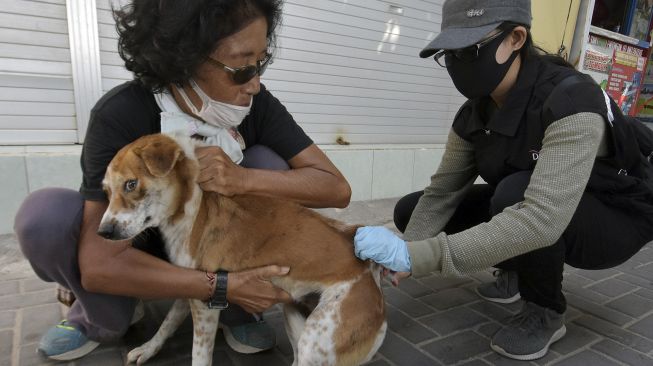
point(624, 79)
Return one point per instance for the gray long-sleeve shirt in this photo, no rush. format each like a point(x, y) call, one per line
point(569, 148)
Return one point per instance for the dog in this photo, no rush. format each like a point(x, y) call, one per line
point(152, 183)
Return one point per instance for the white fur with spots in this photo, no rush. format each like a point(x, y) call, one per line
point(316, 343)
point(205, 325)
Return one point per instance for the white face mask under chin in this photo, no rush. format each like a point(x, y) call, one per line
point(214, 112)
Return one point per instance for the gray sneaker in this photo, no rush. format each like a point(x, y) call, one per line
point(529, 334)
point(504, 290)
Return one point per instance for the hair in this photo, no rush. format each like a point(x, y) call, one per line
point(164, 42)
point(530, 49)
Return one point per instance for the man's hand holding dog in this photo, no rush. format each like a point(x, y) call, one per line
point(253, 291)
point(218, 173)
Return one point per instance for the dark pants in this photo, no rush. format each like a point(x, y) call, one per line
point(597, 237)
point(48, 225)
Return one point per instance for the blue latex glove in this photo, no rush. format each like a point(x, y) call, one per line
point(383, 247)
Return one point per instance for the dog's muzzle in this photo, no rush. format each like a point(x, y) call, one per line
point(108, 230)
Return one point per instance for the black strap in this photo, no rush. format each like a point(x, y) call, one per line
point(219, 298)
point(548, 113)
point(571, 80)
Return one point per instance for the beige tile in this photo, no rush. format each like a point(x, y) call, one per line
point(356, 166)
point(13, 191)
point(393, 173)
point(426, 163)
point(53, 170)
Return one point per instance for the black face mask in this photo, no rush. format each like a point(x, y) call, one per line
point(480, 76)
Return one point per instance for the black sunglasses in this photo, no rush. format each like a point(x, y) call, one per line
point(467, 54)
point(241, 75)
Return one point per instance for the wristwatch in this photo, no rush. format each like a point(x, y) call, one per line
point(219, 298)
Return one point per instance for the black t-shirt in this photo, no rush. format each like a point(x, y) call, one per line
point(129, 111)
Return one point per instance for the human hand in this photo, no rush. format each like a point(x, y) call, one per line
point(218, 173)
point(383, 247)
point(253, 291)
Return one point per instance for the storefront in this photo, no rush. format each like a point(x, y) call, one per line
point(612, 43)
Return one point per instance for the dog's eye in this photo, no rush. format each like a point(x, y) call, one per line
point(130, 185)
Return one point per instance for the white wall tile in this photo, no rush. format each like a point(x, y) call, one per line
point(53, 171)
point(356, 166)
point(14, 189)
point(393, 173)
point(426, 163)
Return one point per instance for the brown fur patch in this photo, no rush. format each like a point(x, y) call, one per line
point(357, 332)
point(254, 231)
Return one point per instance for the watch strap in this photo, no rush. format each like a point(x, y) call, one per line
point(219, 298)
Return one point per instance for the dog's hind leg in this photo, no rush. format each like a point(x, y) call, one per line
point(316, 345)
point(294, 321)
point(362, 328)
point(347, 327)
point(205, 325)
point(175, 316)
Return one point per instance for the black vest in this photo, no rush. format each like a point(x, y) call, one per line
point(510, 140)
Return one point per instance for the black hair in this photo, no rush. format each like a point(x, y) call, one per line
point(530, 49)
point(163, 42)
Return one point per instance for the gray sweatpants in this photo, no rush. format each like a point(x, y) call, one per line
point(48, 225)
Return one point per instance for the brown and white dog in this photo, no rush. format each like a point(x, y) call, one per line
point(151, 183)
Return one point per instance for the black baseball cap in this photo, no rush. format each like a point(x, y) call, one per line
point(465, 22)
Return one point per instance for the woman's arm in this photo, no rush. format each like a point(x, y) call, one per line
point(557, 184)
point(448, 187)
point(313, 180)
point(116, 268)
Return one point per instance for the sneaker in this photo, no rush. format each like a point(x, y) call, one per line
point(249, 337)
point(64, 342)
point(504, 290)
point(530, 333)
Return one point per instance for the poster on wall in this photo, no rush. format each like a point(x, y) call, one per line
point(618, 67)
point(597, 63)
point(624, 79)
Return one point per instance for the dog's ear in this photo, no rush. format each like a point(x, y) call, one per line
point(160, 157)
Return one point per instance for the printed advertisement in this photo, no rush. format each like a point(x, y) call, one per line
point(597, 63)
point(625, 79)
point(618, 67)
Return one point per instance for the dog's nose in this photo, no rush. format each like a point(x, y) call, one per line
point(107, 230)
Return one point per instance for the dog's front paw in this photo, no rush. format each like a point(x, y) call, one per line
point(141, 354)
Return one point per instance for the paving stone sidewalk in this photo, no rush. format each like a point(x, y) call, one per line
point(432, 321)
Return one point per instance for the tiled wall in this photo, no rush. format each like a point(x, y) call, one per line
point(24, 169)
point(386, 171)
point(373, 171)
